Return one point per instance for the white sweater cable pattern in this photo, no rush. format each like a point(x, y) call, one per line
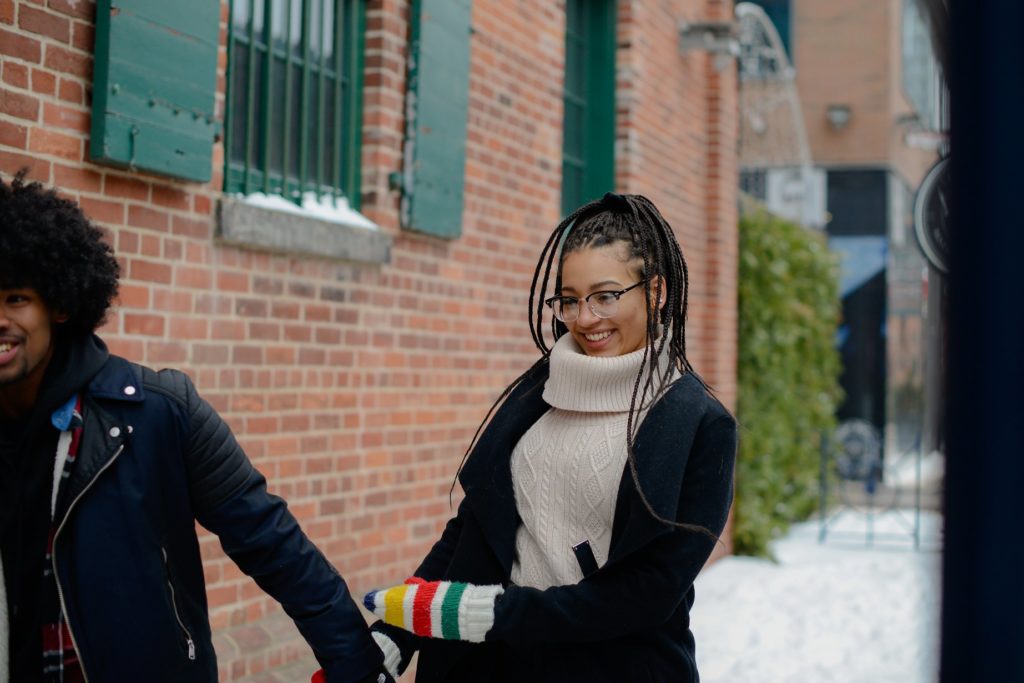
point(566, 469)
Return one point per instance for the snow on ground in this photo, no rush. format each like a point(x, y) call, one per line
point(839, 612)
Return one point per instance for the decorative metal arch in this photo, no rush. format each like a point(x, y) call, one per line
point(772, 136)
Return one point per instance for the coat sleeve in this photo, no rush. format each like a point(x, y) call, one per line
point(646, 588)
point(264, 539)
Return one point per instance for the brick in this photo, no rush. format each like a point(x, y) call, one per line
point(195, 278)
point(233, 282)
point(173, 300)
point(16, 75)
point(43, 141)
point(149, 325)
point(163, 354)
point(43, 82)
point(68, 61)
point(83, 36)
point(102, 210)
point(133, 296)
point(171, 197)
point(45, 24)
point(189, 227)
point(82, 9)
point(127, 187)
point(127, 242)
point(71, 91)
point(19, 46)
point(148, 271)
point(76, 178)
point(6, 11)
point(150, 246)
point(19, 105)
point(215, 354)
point(189, 328)
point(145, 217)
point(12, 162)
point(13, 135)
point(201, 204)
point(68, 118)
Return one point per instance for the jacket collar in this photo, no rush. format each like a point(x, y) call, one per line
point(119, 380)
point(103, 436)
point(487, 475)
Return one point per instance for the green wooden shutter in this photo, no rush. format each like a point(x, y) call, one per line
point(437, 109)
point(588, 124)
point(154, 85)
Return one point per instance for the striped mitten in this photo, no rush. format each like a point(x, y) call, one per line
point(437, 609)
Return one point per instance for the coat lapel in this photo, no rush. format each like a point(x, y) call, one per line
point(487, 475)
point(102, 435)
point(662, 451)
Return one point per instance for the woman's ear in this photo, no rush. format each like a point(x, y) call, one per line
point(660, 290)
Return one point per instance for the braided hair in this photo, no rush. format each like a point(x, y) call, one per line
point(634, 221)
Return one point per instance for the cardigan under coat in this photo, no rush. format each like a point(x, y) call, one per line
point(629, 620)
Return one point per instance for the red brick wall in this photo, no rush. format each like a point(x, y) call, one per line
point(848, 52)
point(356, 388)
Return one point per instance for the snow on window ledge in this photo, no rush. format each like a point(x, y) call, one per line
point(320, 227)
point(313, 206)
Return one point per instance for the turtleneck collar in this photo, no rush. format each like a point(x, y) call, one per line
point(591, 384)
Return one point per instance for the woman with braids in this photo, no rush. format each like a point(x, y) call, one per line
point(596, 492)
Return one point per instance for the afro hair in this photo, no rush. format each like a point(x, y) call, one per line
point(47, 244)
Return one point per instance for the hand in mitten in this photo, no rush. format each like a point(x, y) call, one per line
point(437, 609)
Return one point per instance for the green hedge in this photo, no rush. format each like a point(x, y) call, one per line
point(788, 374)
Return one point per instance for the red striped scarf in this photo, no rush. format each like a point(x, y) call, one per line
point(60, 660)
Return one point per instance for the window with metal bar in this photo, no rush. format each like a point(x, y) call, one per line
point(588, 125)
point(294, 98)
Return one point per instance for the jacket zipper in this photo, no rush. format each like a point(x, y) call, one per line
point(53, 557)
point(174, 606)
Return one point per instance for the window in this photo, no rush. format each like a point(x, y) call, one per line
point(588, 127)
point(920, 74)
point(294, 98)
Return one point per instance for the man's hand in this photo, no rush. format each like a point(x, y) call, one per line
point(437, 609)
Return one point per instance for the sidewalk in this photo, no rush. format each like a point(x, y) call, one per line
point(839, 612)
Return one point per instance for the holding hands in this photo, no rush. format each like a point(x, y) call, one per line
point(437, 609)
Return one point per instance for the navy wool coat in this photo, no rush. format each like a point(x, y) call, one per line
point(627, 621)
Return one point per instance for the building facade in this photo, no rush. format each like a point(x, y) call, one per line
point(355, 343)
point(871, 102)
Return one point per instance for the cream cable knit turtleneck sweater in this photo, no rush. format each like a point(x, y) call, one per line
point(566, 469)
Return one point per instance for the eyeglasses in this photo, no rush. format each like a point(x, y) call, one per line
point(602, 304)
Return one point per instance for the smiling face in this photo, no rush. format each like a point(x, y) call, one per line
point(26, 346)
point(606, 268)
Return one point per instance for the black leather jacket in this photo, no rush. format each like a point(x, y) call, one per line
point(154, 459)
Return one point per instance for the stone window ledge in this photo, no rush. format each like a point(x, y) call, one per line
point(245, 225)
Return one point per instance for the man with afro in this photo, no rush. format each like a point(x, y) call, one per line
point(105, 466)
